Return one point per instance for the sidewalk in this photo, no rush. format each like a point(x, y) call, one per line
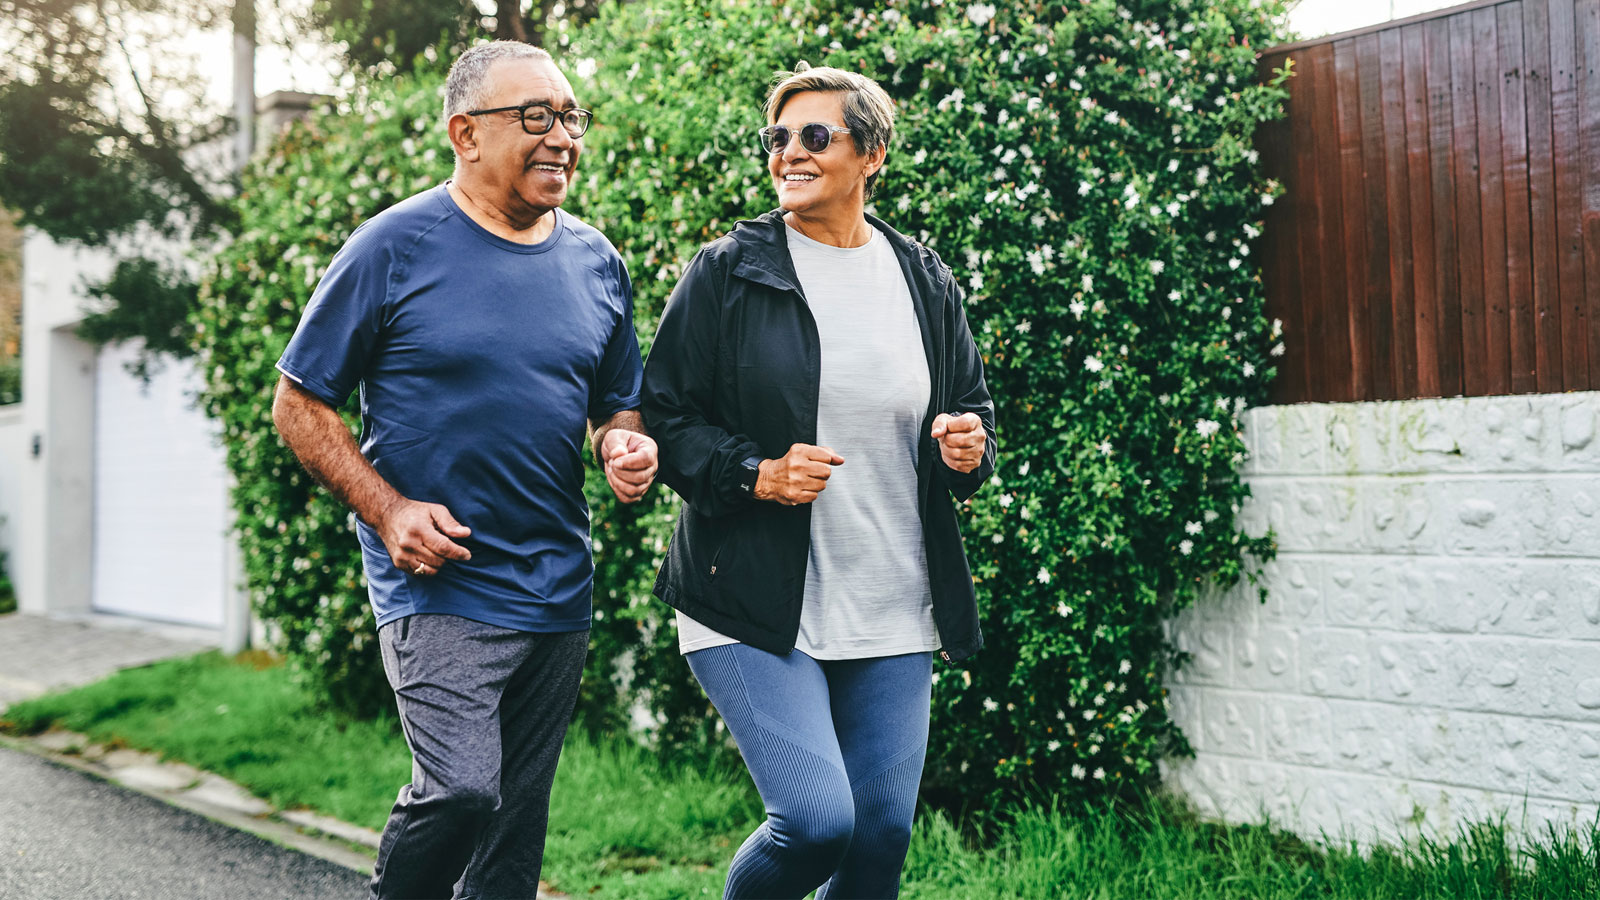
point(39, 654)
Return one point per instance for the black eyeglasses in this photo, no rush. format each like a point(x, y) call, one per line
point(539, 118)
point(814, 136)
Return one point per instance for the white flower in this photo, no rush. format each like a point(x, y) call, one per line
point(888, 54)
point(1174, 295)
point(998, 537)
point(1084, 188)
point(1202, 175)
point(1053, 746)
point(920, 157)
point(1277, 349)
point(1037, 221)
point(1207, 427)
point(980, 13)
point(976, 281)
point(1023, 469)
point(1088, 283)
point(1210, 516)
point(1043, 576)
point(1266, 199)
point(1105, 447)
point(1186, 547)
point(1249, 369)
point(1157, 266)
point(1124, 667)
point(1112, 117)
point(990, 705)
point(1063, 610)
point(1035, 262)
point(1100, 774)
point(1024, 326)
point(904, 203)
point(1079, 772)
point(1233, 262)
point(1172, 165)
point(1192, 527)
point(1093, 363)
point(891, 15)
point(1086, 103)
point(1173, 208)
point(822, 31)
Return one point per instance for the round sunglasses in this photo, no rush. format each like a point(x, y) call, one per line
point(814, 136)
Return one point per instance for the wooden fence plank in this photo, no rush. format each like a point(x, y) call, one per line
point(1514, 165)
point(1567, 154)
point(1446, 281)
point(1541, 195)
point(1307, 210)
point(1468, 214)
point(1353, 215)
point(1419, 185)
point(1491, 191)
point(1402, 328)
point(1380, 302)
point(1587, 26)
point(1333, 332)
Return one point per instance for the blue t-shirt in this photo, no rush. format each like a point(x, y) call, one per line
point(478, 360)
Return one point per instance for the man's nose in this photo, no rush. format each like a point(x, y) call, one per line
point(558, 137)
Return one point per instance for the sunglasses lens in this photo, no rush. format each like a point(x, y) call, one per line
point(774, 138)
point(815, 137)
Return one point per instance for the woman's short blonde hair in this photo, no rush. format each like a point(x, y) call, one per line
point(868, 111)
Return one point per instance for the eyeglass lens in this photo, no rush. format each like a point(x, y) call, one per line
point(815, 137)
point(539, 119)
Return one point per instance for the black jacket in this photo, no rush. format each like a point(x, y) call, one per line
point(734, 372)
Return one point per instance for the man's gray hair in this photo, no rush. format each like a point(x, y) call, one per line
point(868, 111)
point(468, 85)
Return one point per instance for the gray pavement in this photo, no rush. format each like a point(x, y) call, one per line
point(65, 835)
point(38, 654)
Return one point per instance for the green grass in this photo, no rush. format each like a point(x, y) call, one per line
point(623, 824)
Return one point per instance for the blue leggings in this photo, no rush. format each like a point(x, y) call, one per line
point(836, 750)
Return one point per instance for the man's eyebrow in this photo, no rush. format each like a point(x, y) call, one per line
point(564, 103)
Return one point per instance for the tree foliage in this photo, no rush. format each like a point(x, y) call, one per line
point(1087, 170)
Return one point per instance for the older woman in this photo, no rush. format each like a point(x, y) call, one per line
point(818, 399)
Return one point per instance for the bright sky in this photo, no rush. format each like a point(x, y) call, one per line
point(1315, 18)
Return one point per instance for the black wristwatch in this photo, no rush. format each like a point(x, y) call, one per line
point(749, 471)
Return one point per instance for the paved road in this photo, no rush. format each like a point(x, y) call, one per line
point(67, 836)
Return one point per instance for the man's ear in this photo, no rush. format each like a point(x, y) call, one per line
point(464, 137)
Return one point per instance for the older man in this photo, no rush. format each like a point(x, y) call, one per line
point(483, 326)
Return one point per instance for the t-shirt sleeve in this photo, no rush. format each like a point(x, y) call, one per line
point(340, 326)
point(617, 382)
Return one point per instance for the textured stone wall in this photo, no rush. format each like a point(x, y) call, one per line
point(1429, 653)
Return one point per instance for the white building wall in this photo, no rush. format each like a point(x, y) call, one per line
point(1429, 654)
point(13, 452)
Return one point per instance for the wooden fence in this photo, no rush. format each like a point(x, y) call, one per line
point(1440, 234)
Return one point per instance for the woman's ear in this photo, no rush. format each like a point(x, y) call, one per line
point(875, 160)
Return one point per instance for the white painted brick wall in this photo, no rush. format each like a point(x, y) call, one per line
point(1429, 654)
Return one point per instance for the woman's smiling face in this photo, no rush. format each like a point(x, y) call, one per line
point(810, 183)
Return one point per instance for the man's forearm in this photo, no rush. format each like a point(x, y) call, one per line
point(627, 420)
point(324, 445)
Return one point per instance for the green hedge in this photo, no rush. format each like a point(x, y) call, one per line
point(1085, 167)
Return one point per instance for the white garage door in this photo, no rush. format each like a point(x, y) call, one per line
point(160, 497)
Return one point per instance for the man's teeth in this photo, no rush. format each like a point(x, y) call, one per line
point(548, 168)
point(798, 177)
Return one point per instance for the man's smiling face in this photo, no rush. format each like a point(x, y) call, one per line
point(527, 171)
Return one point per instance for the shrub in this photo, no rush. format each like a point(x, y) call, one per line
point(1087, 170)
